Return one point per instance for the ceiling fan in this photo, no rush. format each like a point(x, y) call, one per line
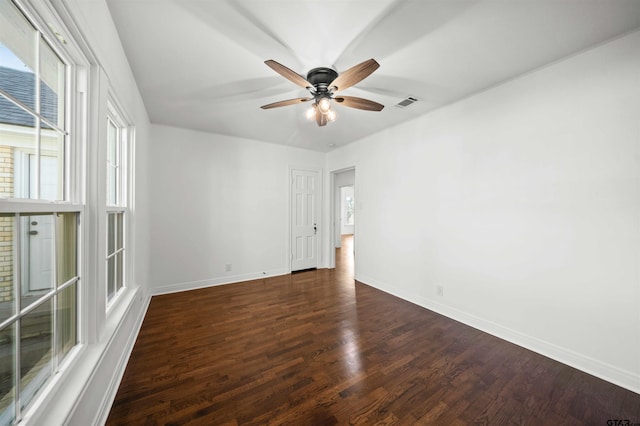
point(323, 84)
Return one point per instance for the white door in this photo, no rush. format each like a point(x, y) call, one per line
point(40, 252)
point(38, 243)
point(305, 208)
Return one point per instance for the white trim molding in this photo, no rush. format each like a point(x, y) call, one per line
point(212, 282)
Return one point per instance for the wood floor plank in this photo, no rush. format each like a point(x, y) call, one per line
point(318, 348)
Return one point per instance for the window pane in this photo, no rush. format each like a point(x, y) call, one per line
point(111, 233)
point(7, 378)
point(350, 211)
point(37, 253)
point(51, 166)
point(115, 237)
point(18, 141)
point(17, 44)
point(67, 326)
point(7, 298)
point(119, 231)
point(112, 164)
point(66, 246)
point(115, 264)
point(119, 272)
point(52, 96)
point(111, 277)
point(35, 350)
point(112, 193)
point(115, 274)
point(112, 139)
point(17, 78)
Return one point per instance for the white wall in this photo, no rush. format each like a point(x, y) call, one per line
point(219, 200)
point(523, 202)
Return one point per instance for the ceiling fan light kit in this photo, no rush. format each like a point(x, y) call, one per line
point(323, 83)
point(324, 104)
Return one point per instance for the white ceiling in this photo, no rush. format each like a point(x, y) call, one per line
point(199, 64)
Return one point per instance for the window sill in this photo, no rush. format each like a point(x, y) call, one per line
point(85, 387)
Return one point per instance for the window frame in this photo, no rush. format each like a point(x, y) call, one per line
point(47, 35)
point(51, 295)
point(124, 141)
point(72, 186)
point(89, 88)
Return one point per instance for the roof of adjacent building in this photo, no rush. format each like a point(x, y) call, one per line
point(21, 86)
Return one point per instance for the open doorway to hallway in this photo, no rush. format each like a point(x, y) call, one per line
point(344, 216)
point(347, 210)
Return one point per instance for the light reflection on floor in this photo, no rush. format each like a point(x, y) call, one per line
point(351, 359)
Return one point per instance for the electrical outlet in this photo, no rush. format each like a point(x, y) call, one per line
point(228, 267)
point(440, 290)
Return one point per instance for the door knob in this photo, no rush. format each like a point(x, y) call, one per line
point(315, 229)
point(33, 232)
point(34, 223)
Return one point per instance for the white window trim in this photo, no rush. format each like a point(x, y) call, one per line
point(117, 114)
point(44, 18)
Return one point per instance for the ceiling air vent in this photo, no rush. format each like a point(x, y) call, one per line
point(406, 102)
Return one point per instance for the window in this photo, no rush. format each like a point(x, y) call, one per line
point(350, 211)
point(39, 222)
point(117, 134)
point(33, 106)
point(39, 306)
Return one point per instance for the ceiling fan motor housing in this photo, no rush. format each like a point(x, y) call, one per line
point(321, 78)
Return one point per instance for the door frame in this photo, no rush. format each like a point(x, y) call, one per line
point(319, 212)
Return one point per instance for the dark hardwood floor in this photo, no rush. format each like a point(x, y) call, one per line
point(317, 348)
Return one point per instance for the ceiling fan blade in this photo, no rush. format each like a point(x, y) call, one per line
point(359, 103)
point(288, 73)
point(321, 119)
point(354, 75)
point(286, 103)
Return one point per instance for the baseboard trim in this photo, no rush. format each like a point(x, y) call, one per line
point(602, 370)
point(212, 282)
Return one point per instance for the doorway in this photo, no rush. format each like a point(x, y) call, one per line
point(343, 212)
point(347, 210)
